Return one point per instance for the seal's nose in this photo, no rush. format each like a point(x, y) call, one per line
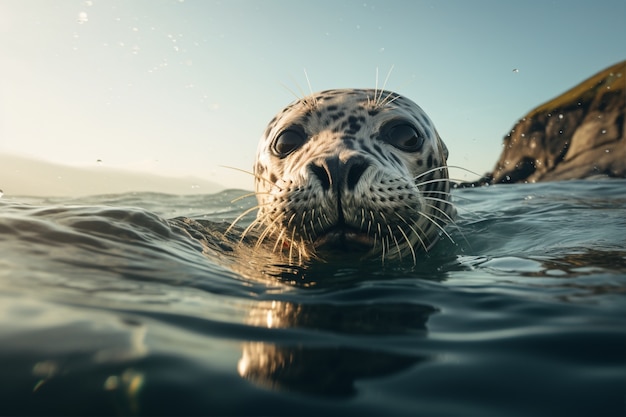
point(333, 172)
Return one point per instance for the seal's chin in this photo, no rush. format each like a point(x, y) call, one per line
point(344, 239)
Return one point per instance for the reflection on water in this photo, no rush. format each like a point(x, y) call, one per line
point(331, 365)
point(322, 371)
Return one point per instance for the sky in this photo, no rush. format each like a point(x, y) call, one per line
point(184, 88)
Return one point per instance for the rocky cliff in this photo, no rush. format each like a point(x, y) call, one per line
point(578, 134)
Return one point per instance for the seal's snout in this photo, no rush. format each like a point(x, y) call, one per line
point(333, 172)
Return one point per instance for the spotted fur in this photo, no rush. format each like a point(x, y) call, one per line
point(331, 177)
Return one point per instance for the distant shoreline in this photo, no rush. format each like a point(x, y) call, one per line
point(30, 177)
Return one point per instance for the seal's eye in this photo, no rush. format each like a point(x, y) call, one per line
point(288, 141)
point(403, 136)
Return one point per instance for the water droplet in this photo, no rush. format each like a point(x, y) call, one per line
point(607, 150)
point(111, 383)
point(523, 135)
point(560, 132)
point(515, 70)
point(82, 18)
point(1, 193)
point(603, 131)
point(560, 116)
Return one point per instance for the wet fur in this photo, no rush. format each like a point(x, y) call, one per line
point(401, 201)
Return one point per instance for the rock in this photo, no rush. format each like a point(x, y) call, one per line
point(579, 134)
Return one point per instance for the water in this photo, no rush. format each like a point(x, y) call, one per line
point(106, 309)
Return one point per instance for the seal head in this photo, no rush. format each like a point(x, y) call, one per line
point(352, 170)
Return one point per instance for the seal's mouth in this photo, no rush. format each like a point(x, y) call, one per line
point(345, 239)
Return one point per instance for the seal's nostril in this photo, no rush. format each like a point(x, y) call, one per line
point(322, 174)
point(355, 171)
point(334, 173)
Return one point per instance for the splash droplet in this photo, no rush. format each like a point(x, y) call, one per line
point(82, 18)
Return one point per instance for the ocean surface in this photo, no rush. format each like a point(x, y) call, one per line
point(109, 308)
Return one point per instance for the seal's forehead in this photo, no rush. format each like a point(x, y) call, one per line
point(347, 95)
point(330, 106)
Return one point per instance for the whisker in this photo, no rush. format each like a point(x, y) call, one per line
point(290, 220)
point(439, 168)
point(395, 241)
point(362, 218)
point(451, 222)
point(302, 252)
point(406, 238)
point(417, 235)
point(419, 184)
point(447, 219)
point(291, 243)
point(437, 224)
point(369, 225)
point(391, 234)
point(440, 200)
point(257, 176)
point(378, 93)
point(469, 171)
point(258, 222)
point(387, 77)
point(280, 239)
point(302, 93)
point(266, 232)
point(387, 101)
point(241, 197)
point(241, 216)
point(375, 90)
point(308, 81)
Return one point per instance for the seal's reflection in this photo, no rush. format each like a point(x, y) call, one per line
point(318, 347)
point(328, 346)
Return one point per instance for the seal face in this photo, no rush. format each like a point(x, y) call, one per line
point(352, 170)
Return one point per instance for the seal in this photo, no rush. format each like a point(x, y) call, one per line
point(359, 171)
